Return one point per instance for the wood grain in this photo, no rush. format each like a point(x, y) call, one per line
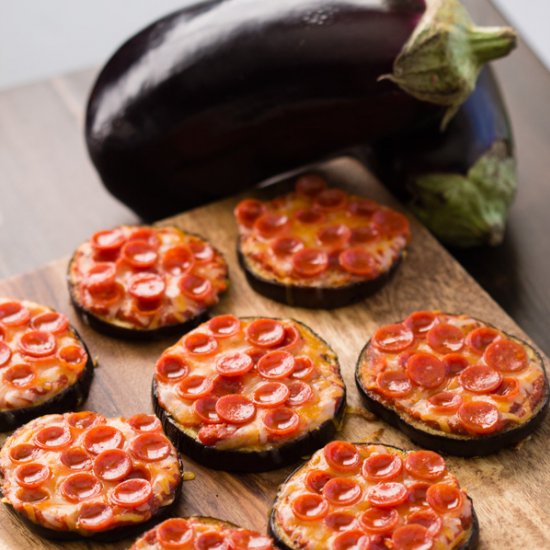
point(508, 489)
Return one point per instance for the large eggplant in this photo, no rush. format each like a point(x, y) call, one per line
point(221, 95)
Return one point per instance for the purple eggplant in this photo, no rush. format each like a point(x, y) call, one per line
point(221, 95)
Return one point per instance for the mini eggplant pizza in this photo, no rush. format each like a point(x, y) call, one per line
point(201, 533)
point(84, 475)
point(319, 247)
point(136, 282)
point(249, 394)
point(373, 497)
point(453, 383)
point(44, 365)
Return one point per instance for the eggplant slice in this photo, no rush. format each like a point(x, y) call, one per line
point(463, 441)
point(284, 541)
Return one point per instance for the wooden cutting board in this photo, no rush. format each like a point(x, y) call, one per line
point(510, 489)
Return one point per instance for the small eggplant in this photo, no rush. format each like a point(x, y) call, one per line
point(462, 181)
point(221, 95)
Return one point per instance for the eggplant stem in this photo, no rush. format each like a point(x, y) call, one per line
point(489, 43)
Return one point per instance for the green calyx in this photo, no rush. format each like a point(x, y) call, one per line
point(441, 60)
point(468, 210)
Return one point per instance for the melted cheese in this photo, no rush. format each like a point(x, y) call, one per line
point(327, 385)
point(175, 307)
point(55, 511)
point(311, 535)
point(51, 376)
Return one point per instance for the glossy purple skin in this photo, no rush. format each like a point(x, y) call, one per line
point(219, 96)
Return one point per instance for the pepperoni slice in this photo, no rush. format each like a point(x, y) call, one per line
point(175, 533)
point(72, 356)
point(480, 338)
point(334, 236)
point(108, 296)
point(270, 224)
point(112, 465)
point(310, 262)
point(235, 409)
point(107, 240)
point(276, 365)
point(309, 216)
point(445, 402)
point(195, 287)
point(351, 540)
point(420, 322)
point(342, 491)
point(304, 369)
point(391, 223)
point(428, 519)
point(37, 343)
point(211, 540)
point(310, 507)
point(76, 458)
point(53, 438)
point(393, 338)
point(100, 278)
point(243, 539)
point(281, 422)
point(5, 354)
point(508, 390)
point(425, 465)
point(310, 185)
point(379, 520)
point(14, 314)
point(445, 338)
point(146, 234)
point(102, 438)
point(382, 467)
point(151, 447)
point(417, 493)
point(224, 386)
point(270, 395)
point(24, 452)
point(480, 379)
point(479, 417)
point(132, 493)
point(194, 387)
point(455, 363)
point(363, 207)
point(139, 254)
point(412, 537)
point(316, 479)
point(139, 472)
point(248, 211)
point(209, 435)
point(178, 260)
point(358, 261)
point(331, 199)
point(85, 419)
point(31, 475)
point(342, 456)
point(202, 252)
point(144, 423)
point(224, 326)
point(339, 521)
point(19, 376)
point(94, 516)
point(50, 321)
point(387, 494)
point(171, 367)
point(286, 246)
point(80, 486)
point(426, 370)
point(300, 393)
point(393, 383)
point(205, 409)
point(199, 343)
point(32, 495)
point(444, 498)
point(234, 364)
point(265, 333)
point(363, 234)
point(506, 356)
